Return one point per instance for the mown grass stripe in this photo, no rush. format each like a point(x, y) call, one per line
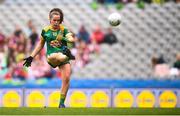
point(89, 111)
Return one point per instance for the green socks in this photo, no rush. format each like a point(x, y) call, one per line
point(62, 99)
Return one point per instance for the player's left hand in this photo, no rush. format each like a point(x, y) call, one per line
point(68, 53)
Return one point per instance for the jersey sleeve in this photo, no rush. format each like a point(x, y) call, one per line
point(43, 34)
point(66, 31)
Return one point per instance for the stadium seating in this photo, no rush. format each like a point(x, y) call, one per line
point(145, 32)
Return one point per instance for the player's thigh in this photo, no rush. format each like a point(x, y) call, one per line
point(56, 58)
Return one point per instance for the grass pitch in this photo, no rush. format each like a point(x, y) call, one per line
point(90, 111)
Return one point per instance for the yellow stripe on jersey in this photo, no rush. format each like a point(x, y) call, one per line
point(47, 28)
point(50, 27)
point(61, 28)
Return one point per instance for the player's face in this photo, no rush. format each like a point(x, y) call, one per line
point(55, 21)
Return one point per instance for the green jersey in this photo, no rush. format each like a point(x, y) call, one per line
point(48, 34)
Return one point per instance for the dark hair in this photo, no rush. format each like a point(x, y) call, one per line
point(56, 11)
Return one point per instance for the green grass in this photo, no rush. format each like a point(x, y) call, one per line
point(89, 111)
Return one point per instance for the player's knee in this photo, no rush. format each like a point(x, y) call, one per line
point(61, 57)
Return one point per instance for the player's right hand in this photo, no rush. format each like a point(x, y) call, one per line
point(28, 61)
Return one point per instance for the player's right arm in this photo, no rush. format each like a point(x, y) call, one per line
point(37, 49)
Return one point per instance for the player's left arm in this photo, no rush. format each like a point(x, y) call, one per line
point(69, 37)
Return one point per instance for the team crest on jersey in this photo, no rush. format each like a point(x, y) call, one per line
point(54, 33)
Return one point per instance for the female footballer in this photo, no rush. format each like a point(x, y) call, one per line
point(56, 37)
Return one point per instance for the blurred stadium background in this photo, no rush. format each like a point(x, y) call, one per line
point(136, 64)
